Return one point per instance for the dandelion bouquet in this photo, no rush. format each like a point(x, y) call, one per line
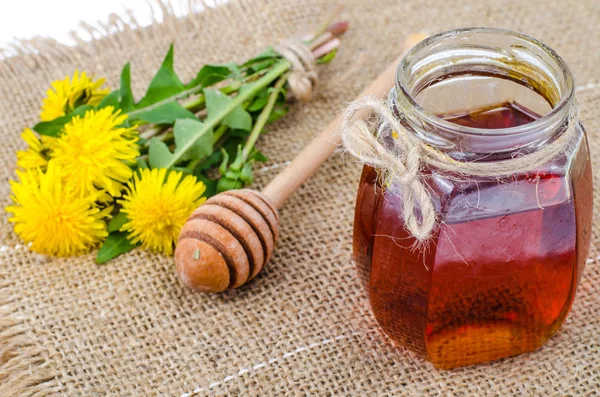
point(104, 170)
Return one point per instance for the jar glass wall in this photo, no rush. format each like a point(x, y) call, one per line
point(499, 275)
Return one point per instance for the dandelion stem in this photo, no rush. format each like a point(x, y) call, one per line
point(150, 132)
point(263, 117)
point(219, 132)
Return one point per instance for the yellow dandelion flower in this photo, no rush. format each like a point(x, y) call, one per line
point(93, 151)
point(65, 95)
point(53, 217)
point(158, 205)
point(48, 142)
point(34, 156)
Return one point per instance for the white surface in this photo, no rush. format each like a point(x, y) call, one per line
point(24, 19)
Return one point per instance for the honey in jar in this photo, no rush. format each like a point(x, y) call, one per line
point(500, 272)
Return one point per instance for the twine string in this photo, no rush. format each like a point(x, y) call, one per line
point(404, 160)
point(303, 77)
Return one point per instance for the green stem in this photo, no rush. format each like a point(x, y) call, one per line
point(193, 164)
point(263, 117)
point(167, 137)
point(155, 130)
point(277, 70)
point(219, 132)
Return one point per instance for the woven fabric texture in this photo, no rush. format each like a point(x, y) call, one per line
point(303, 327)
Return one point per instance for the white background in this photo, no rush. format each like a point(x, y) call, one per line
point(25, 19)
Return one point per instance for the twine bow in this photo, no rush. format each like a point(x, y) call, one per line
point(303, 77)
point(404, 160)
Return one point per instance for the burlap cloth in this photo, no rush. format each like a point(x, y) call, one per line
point(303, 327)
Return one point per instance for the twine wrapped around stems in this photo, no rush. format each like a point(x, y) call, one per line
point(405, 159)
point(303, 77)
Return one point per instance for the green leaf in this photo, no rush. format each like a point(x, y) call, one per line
point(209, 75)
point(263, 97)
point(282, 91)
point(117, 222)
point(126, 96)
point(262, 61)
point(223, 107)
point(249, 87)
point(246, 175)
point(115, 244)
point(184, 170)
point(260, 101)
point(165, 83)
point(267, 54)
point(141, 163)
point(239, 133)
point(258, 156)
point(159, 154)
point(235, 175)
point(224, 184)
point(166, 113)
point(239, 173)
point(232, 144)
point(234, 71)
point(53, 128)
point(257, 67)
point(277, 113)
point(111, 99)
point(214, 159)
point(225, 162)
point(186, 130)
point(217, 103)
point(327, 57)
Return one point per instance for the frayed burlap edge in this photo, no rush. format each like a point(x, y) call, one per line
point(24, 367)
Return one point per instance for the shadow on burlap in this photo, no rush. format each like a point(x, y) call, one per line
point(302, 327)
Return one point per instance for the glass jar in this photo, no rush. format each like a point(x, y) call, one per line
point(499, 274)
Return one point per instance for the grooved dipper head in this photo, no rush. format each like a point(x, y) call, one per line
point(227, 241)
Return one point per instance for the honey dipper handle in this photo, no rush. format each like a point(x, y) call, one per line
point(313, 155)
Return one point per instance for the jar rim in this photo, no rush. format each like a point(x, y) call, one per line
point(559, 111)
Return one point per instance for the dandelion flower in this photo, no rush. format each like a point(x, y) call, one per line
point(157, 205)
point(34, 156)
point(93, 151)
point(66, 95)
point(53, 217)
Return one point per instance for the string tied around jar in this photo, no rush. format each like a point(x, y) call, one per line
point(303, 77)
point(400, 156)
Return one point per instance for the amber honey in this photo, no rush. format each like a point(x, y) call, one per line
point(500, 274)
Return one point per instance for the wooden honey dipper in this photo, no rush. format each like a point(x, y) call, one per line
point(228, 240)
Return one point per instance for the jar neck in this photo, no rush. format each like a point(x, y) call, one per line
point(483, 52)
